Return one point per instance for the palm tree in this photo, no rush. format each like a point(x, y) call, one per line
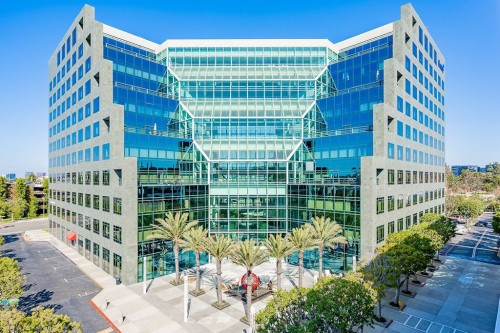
point(326, 233)
point(249, 255)
point(173, 228)
point(194, 240)
point(219, 247)
point(278, 247)
point(302, 240)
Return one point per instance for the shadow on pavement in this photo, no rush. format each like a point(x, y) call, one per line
point(27, 303)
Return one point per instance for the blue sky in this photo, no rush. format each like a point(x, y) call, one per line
point(467, 32)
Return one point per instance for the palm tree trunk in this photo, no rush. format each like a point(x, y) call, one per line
point(278, 273)
point(219, 282)
point(176, 257)
point(198, 277)
point(301, 267)
point(320, 260)
point(249, 293)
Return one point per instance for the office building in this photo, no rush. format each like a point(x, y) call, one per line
point(251, 137)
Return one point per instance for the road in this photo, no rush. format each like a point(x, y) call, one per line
point(23, 225)
point(479, 243)
point(54, 281)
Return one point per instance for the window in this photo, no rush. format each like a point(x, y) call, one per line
point(105, 177)
point(95, 178)
point(390, 150)
point(390, 228)
point(80, 199)
point(96, 104)
point(96, 151)
point(88, 225)
point(117, 206)
point(96, 129)
point(380, 234)
point(400, 177)
point(87, 178)
point(88, 87)
point(88, 112)
point(400, 104)
point(390, 177)
point(87, 200)
point(117, 234)
point(390, 203)
point(87, 64)
point(95, 228)
point(96, 202)
point(408, 221)
point(105, 151)
point(400, 224)
point(105, 203)
point(400, 128)
point(105, 229)
point(117, 264)
point(380, 205)
point(415, 177)
point(407, 63)
point(400, 201)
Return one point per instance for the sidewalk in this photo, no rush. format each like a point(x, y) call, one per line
point(461, 297)
point(161, 309)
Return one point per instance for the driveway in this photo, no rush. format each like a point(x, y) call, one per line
point(479, 244)
point(54, 281)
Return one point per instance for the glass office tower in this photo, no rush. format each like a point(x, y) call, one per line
point(250, 137)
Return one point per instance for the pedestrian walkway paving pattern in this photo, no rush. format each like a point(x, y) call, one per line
point(461, 297)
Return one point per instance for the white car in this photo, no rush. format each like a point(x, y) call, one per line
point(460, 230)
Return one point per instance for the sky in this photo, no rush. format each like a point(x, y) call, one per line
point(467, 33)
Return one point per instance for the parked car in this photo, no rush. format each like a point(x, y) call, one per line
point(481, 224)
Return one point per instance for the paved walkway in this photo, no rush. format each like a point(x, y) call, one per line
point(461, 297)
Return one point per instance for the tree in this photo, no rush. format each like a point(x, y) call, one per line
point(332, 305)
point(173, 228)
point(441, 224)
point(469, 207)
point(406, 261)
point(278, 247)
point(17, 207)
point(21, 190)
point(302, 240)
point(45, 193)
point(383, 274)
point(249, 255)
point(342, 305)
point(326, 233)
point(31, 177)
point(33, 206)
point(40, 320)
point(194, 240)
point(285, 312)
point(219, 247)
point(496, 223)
point(494, 168)
point(3, 188)
point(11, 279)
point(2, 241)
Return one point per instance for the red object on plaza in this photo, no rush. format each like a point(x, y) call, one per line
point(255, 283)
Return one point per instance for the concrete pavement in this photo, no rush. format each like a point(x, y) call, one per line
point(461, 297)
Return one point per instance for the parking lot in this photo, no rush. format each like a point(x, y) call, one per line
point(54, 281)
point(479, 243)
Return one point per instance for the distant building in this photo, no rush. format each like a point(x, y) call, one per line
point(10, 176)
point(41, 174)
point(457, 169)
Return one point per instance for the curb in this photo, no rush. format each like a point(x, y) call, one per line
point(104, 316)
